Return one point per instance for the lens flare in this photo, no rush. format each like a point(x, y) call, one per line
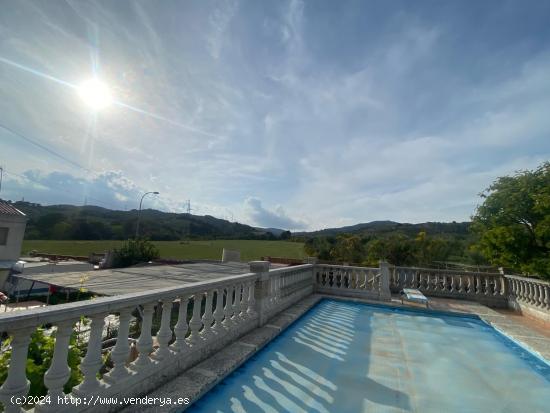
point(95, 94)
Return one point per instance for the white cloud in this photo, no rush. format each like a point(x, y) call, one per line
point(264, 217)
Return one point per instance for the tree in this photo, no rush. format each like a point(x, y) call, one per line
point(513, 223)
point(397, 249)
point(348, 248)
point(285, 235)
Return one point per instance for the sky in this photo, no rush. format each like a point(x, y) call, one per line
point(293, 114)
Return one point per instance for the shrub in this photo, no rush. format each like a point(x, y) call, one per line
point(134, 251)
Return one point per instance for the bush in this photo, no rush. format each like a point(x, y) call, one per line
point(134, 251)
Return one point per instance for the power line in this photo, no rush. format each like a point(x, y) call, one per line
point(51, 187)
point(45, 148)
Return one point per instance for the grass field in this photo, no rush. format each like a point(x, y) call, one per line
point(250, 249)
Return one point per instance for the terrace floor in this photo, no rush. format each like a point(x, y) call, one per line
point(201, 378)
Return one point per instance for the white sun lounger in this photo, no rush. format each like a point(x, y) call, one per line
point(412, 295)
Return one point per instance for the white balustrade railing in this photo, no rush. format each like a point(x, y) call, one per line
point(345, 280)
point(288, 285)
point(200, 318)
point(195, 320)
point(486, 287)
point(529, 291)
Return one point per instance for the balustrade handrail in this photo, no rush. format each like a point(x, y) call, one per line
point(351, 267)
point(68, 311)
point(292, 268)
point(528, 279)
point(450, 272)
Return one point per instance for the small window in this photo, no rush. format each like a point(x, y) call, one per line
point(4, 235)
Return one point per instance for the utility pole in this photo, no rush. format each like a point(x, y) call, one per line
point(188, 211)
point(1, 176)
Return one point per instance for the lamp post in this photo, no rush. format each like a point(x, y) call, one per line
point(139, 211)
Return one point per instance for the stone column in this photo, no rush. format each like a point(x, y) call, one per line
point(313, 261)
point(385, 293)
point(261, 289)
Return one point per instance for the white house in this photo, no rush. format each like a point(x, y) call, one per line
point(12, 230)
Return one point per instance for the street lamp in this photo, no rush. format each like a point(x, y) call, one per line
point(139, 211)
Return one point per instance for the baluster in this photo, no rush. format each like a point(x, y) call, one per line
point(208, 317)
point(540, 295)
point(496, 287)
point(16, 383)
point(521, 291)
point(218, 313)
point(226, 323)
point(452, 284)
point(427, 281)
point(164, 335)
point(196, 322)
point(531, 293)
point(547, 297)
point(145, 340)
point(181, 327)
point(92, 362)
point(120, 353)
point(460, 284)
point(514, 288)
point(244, 301)
point(235, 307)
point(59, 371)
point(251, 300)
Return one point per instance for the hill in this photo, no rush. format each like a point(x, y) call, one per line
point(459, 229)
point(69, 222)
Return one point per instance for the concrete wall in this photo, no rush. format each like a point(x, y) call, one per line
point(16, 231)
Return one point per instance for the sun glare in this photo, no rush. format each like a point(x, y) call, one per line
point(95, 94)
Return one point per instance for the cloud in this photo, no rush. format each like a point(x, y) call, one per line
point(341, 112)
point(270, 218)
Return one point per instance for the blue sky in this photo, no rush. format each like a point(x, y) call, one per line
point(294, 114)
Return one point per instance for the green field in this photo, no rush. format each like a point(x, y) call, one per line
point(250, 249)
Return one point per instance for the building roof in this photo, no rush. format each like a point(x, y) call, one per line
point(8, 209)
point(118, 281)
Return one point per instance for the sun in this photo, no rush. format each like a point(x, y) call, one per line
point(95, 94)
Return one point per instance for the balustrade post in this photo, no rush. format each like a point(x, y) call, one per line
point(164, 335)
point(16, 383)
point(92, 362)
point(261, 289)
point(244, 301)
point(120, 353)
point(59, 371)
point(385, 293)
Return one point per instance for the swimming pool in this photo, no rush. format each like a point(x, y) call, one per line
point(351, 357)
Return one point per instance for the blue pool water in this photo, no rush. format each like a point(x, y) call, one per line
point(350, 357)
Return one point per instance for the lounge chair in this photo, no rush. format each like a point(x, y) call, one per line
point(415, 296)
